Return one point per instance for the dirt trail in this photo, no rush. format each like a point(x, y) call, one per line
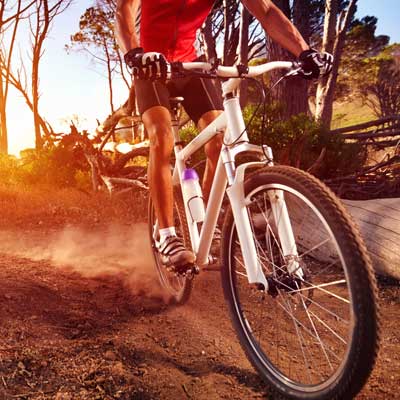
point(82, 317)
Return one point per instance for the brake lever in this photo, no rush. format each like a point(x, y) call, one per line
point(295, 71)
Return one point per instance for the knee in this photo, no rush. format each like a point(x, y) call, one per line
point(213, 148)
point(161, 139)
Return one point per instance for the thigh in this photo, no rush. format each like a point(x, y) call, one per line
point(150, 94)
point(201, 96)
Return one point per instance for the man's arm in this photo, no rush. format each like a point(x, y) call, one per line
point(277, 25)
point(125, 18)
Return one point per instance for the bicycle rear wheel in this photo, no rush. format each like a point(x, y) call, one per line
point(310, 338)
point(178, 287)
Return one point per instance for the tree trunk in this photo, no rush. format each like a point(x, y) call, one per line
point(300, 88)
point(227, 25)
point(109, 76)
point(330, 21)
point(42, 27)
point(326, 87)
point(231, 32)
point(5, 64)
point(35, 101)
point(292, 92)
point(3, 121)
point(211, 51)
point(244, 51)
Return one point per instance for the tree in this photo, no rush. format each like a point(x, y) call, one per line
point(8, 20)
point(223, 26)
point(40, 24)
point(361, 43)
point(20, 82)
point(379, 82)
point(335, 29)
point(96, 37)
point(291, 93)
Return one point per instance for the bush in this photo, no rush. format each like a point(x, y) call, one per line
point(299, 142)
point(55, 166)
point(8, 168)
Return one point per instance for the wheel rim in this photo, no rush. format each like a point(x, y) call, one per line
point(303, 335)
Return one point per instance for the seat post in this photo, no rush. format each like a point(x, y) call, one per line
point(176, 109)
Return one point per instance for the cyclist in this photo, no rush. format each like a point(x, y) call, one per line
point(167, 33)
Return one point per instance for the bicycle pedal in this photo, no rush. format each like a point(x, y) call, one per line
point(184, 271)
point(195, 270)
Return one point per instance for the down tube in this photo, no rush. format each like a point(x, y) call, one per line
point(213, 208)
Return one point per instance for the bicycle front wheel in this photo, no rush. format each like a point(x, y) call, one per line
point(313, 335)
point(177, 286)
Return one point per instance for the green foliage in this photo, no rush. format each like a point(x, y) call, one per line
point(96, 29)
point(8, 168)
point(379, 81)
point(361, 43)
point(188, 132)
point(55, 166)
point(299, 142)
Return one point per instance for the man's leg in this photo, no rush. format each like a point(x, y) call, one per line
point(212, 150)
point(157, 121)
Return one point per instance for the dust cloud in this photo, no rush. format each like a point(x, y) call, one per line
point(117, 250)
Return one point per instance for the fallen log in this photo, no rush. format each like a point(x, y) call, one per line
point(379, 223)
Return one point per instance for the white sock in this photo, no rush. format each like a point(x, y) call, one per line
point(165, 232)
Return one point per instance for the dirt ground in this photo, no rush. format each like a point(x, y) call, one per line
point(82, 315)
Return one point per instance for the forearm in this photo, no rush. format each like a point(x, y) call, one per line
point(277, 25)
point(125, 18)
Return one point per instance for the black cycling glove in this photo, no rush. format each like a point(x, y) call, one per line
point(149, 65)
point(315, 64)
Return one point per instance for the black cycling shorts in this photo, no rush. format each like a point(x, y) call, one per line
point(200, 95)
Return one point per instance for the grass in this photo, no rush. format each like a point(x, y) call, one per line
point(350, 113)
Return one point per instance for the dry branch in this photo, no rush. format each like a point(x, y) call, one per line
point(126, 110)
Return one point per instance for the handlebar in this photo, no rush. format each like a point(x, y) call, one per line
point(204, 69)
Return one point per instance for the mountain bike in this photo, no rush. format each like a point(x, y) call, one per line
point(295, 273)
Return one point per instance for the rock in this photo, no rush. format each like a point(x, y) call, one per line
point(110, 355)
point(63, 396)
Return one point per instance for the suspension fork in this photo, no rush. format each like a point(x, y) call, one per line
point(285, 231)
point(244, 231)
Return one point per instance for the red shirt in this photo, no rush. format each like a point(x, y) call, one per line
point(169, 26)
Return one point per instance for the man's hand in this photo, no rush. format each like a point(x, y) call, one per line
point(150, 65)
point(315, 64)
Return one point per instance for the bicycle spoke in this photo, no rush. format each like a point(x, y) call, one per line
point(311, 287)
point(316, 332)
point(308, 330)
point(328, 327)
point(304, 289)
point(333, 263)
point(300, 338)
point(317, 246)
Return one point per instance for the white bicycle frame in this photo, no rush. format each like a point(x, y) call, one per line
point(231, 122)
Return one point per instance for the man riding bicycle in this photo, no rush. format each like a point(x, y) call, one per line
point(167, 33)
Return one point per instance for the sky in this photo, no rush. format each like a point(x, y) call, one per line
point(71, 85)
